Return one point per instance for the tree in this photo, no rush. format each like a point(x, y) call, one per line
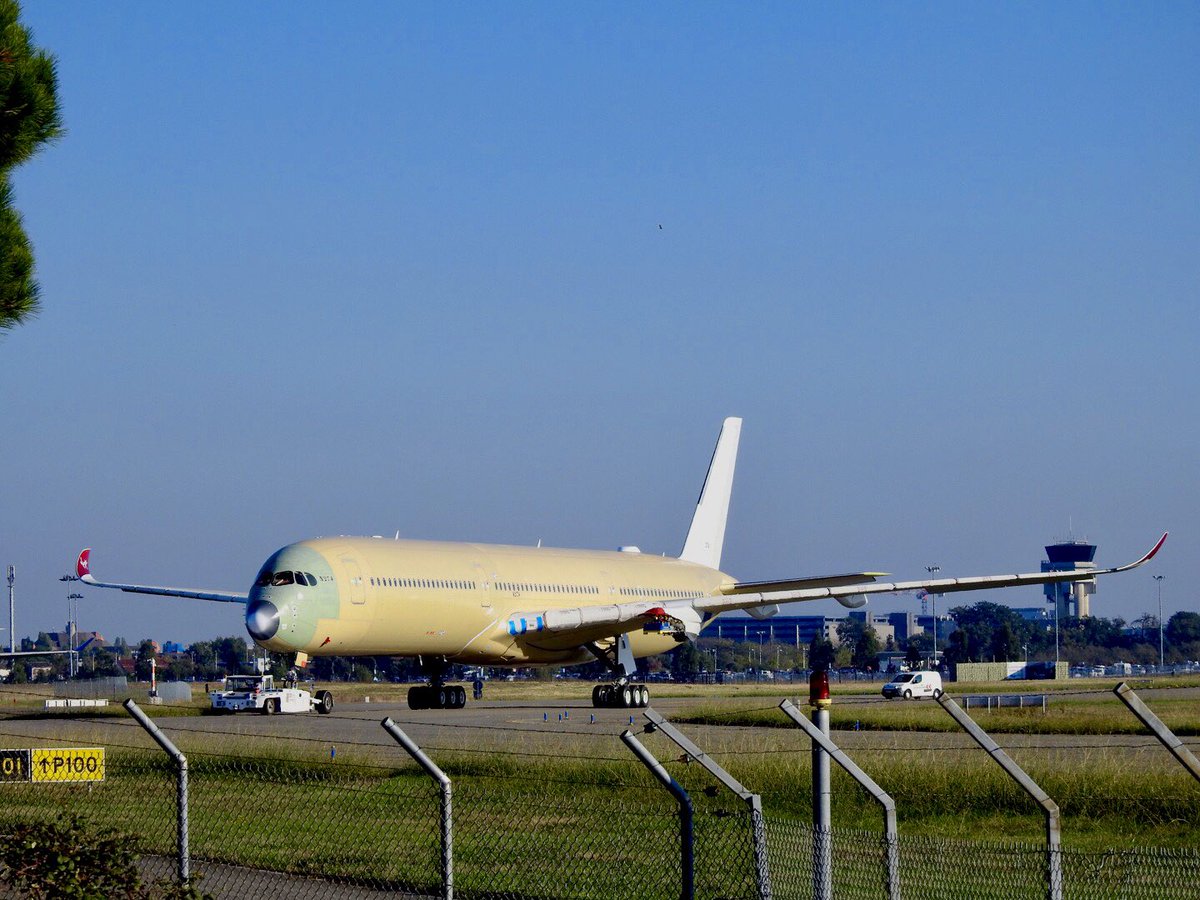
point(986, 630)
point(820, 653)
point(145, 653)
point(1004, 642)
point(1183, 628)
point(230, 652)
point(912, 654)
point(29, 118)
point(686, 661)
point(866, 651)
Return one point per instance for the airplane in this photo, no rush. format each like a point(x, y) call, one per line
point(498, 605)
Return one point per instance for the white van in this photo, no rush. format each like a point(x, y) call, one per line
point(914, 684)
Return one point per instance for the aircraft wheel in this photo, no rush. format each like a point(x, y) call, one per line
point(628, 695)
point(908, 695)
point(596, 701)
point(324, 702)
point(643, 696)
point(441, 698)
point(417, 698)
point(460, 697)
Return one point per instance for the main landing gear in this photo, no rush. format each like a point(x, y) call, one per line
point(437, 694)
point(432, 696)
point(620, 694)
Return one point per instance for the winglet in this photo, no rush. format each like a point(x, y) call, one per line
point(1149, 556)
point(82, 567)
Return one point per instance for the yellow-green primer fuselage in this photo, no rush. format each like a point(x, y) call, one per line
point(465, 603)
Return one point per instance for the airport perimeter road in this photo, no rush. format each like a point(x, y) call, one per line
point(354, 729)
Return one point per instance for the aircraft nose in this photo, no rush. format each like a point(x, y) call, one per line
point(262, 620)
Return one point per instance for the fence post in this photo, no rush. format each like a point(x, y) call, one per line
point(447, 813)
point(1164, 734)
point(761, 870)
point(1053, 829)
point(687, 837)
point(890, 836)
point(163, 741)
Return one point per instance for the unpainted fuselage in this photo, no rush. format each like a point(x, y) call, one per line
point(465, 603)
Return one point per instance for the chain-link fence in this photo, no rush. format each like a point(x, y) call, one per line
point(267, 823)
point(349, 824)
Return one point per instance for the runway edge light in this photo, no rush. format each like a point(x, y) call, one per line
point(818, 690)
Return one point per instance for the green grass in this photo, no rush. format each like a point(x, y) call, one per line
point(1065, 714)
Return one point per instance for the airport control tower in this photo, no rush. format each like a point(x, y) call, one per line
point(1070, 598)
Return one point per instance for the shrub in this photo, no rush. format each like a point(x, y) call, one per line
point(70, 858)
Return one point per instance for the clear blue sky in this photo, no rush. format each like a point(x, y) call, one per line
point(316, 269)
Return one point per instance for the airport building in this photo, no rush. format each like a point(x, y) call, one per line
point(797, 631)
point(881, 624)
point(1070, 598)
point(904, 625)
point(945, 627)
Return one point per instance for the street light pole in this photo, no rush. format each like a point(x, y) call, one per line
point(933, 570)
point(71, 620)
point(1056, 634)
point(1161, 655)
point(12, 628)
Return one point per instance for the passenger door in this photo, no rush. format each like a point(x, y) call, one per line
point(354, 578)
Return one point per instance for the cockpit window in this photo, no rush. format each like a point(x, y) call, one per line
point(279, 579)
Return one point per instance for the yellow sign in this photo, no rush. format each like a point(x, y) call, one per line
point(63, 764)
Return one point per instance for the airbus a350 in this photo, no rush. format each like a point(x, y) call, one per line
point(498, 605)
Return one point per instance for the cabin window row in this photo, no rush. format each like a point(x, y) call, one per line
point(450, 584)
point(547, 588)
point(655, 592)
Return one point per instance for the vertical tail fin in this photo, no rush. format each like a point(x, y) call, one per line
point(707, 534)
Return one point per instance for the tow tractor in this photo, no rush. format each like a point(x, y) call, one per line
point(258, 692)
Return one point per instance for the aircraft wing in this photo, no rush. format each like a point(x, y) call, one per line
point(83, 571)
point(797, 584)
point(588, 622)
